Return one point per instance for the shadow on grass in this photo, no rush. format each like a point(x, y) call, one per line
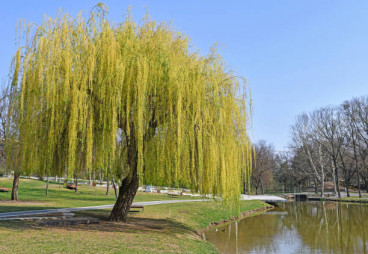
point(133, 225)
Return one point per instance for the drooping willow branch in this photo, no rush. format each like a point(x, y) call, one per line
point(80, 85)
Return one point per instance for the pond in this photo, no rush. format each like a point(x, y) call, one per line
point(297, 227)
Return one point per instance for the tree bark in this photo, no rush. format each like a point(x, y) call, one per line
point(129, 186)
point(315, 185)
point(101, 176)
point(14, 194)
point(76, 184)
point(127, 192)
point(360, 192)
point(323, 184)
point(115, 189)
point(334, 178)
point(337, 178)
point(90, 178)
point(47, 186)
point(347, 187)
point(108, 186)
point(262, 188)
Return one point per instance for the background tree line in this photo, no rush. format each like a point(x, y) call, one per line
point(328, 152)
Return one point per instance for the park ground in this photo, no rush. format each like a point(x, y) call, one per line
point(166, 228)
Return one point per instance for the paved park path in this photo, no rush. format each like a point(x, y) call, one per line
point(10, 215)
point(74, 209)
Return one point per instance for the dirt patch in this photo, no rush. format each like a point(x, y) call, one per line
point(69, 221)
point(132, 226)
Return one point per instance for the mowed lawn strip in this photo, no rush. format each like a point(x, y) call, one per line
point(32, 196)
point(168, 228)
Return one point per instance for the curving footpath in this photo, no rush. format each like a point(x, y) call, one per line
point(12, 215)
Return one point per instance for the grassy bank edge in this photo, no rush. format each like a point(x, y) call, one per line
point(344, 200)
point(236, 218)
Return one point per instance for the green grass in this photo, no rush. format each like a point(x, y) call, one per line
point(32, 196)
point(347, 199)
point(168, 228)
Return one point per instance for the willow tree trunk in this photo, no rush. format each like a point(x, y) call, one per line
point(101, 179)
point(14, 194)
point(76, 183)
point(115, 189)
point(90, 178)
point(107, 186)
point(127, 192)
point(47, 185)
point(129, 186)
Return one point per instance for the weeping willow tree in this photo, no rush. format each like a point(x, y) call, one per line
point(130, 99)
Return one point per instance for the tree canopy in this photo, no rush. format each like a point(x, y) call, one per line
point(83, 89)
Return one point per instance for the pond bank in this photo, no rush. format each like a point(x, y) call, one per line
point(242, 215)
point(346, 199)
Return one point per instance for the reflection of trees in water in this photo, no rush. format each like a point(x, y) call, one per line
point(307, 227)
point(329, 226)
point(255, 234)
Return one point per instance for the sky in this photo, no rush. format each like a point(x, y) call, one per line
point(296, 55)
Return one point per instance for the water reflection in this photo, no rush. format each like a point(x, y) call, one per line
point(297, 227)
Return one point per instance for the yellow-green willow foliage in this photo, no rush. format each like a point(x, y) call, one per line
point(80, 86)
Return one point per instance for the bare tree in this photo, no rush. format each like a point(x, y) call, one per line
point(358, 112)
point(264, 164)
point(305, 139)
point(350, 110)
point(328, 127)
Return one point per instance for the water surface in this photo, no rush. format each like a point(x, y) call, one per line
point(297, 227)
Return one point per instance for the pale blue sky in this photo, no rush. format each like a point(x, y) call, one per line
point(296, 55)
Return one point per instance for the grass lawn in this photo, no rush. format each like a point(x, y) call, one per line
point(169, 228)
point(32, 196)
